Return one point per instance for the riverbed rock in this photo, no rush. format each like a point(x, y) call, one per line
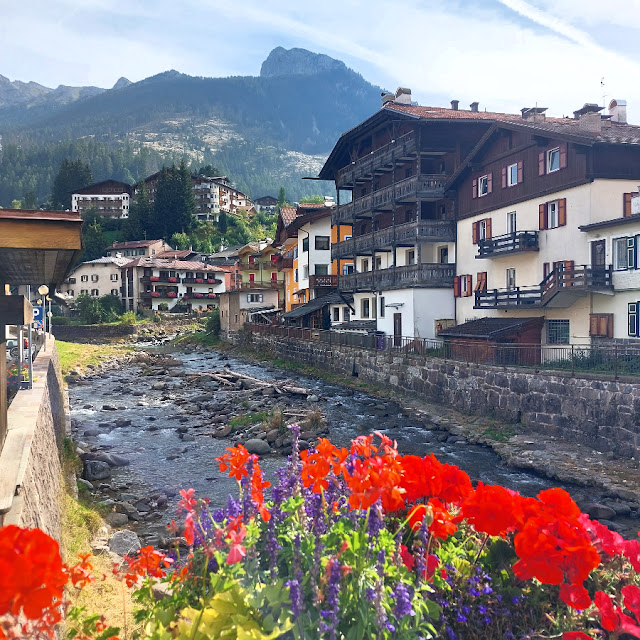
point(84, 483)
point(117, 519)
point(96, 470)
point(272, 435)
point(313, 398)
point(598, 511)
point(255, 445)
point(109, 407)
point(122, 422)
point(124, 542)
point(159, 386)
point(89, 433)
point(128, 508)
point(223, 432)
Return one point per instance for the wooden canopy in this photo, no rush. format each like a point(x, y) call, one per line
point(38, 247)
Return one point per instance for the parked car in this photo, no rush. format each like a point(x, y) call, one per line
point(13, 352)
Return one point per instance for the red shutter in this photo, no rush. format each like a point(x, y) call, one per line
point(563, 155)
point(481, 281)
point(541, 163)
point(490, 183)
point(626, 211)
point(542, 216)
point(594, 325)
point(568, 274)
point(520, 172)
point(468, 285)
point(488, 228)
point(456, 286)
point(504, 177)
point(474, 232)
point(474, 186)
point(562, 212)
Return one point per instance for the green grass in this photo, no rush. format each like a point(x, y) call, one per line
point(198, 337)
point(247, 419)
point(499, 433)
point(77, 356)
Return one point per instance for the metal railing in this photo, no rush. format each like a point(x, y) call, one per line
point(601, 358)
point(423, 275)
point(508, 243)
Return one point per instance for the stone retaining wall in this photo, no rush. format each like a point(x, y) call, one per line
point(31, 483)
point(93, 332)
point(597, 411)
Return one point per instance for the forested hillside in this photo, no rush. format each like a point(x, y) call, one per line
point(264, 131)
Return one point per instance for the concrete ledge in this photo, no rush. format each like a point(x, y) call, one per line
point(30, 470)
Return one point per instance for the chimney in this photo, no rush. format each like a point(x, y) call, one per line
point(589, 117)
point(618, 111)
point(387, 97)
point(534, 114)
point(474, 107)
point(454, 104)
point(403, 95)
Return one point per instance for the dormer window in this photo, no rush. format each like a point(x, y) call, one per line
point(553, 160)
point(483, 186)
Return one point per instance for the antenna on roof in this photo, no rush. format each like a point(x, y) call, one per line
point(604, 95)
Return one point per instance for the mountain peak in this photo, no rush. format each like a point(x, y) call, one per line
point(286, 62)
point(122, 83)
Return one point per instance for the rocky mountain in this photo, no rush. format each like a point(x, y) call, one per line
point(264, 131)
point(31, 94)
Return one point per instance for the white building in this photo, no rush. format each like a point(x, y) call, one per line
point(94, 278)
point(109, 199)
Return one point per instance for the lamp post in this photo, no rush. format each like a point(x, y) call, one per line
point(43, 290)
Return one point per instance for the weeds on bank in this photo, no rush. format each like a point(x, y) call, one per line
point(247, 419)
point(499, 433)
point(74, 355)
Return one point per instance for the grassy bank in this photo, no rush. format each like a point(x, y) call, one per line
point(74, 355)
point(199, 338)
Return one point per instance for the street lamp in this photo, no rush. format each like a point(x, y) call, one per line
point(43, 290)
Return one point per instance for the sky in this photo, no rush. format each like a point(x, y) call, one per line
point(505, 54)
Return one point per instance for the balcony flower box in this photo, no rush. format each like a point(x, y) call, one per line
point(154, 279)
point(198, 295)
point(199, 280)
point(173, 279)
point(186, 296)
point(211, 295)
point(172, 294)
point(155, 294)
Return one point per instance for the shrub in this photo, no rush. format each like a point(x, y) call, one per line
point(163, 306)
point(128, 318)
point(213, 322)
point(60, 321)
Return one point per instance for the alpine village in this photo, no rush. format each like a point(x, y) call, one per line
point(383, 384)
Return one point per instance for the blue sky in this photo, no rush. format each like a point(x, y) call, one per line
point(506, 54)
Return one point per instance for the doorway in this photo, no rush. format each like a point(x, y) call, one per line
point(397, 329)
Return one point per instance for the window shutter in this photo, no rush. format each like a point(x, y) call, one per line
point(490, 183)
point(249, 297)
point(594, 325)
point(520, 172)
point(542, 216)
point(541, 163)
point(563, 155)
point(626, 211)
point(456, 287)
point(562, 212)
point(567, 273)
point(632, 315)
point(481, 282)
point(468, 285)
point(504, 177)
point(488, 228)
point(631, 252)
point(474, 232)
point(474, 187)
point(608, 325)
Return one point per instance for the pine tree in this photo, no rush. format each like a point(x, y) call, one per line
point(164, 205)
point(70, 176)
point(186, 213)
point(137, 225)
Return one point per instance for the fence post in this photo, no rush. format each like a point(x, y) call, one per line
point(573, 361)
point(615, 361)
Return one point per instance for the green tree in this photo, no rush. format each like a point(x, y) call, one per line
point(223, 223)
point(29, 200)
point(16, 204)
point(111, 306)
point(70, 177)
point(180, 240)
point(137, 225)
point(313, 199)
point(89, 310)
point(93, 237)
point(282, 198)
point(209, 171)
point(186, 213)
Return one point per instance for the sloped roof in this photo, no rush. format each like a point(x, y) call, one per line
point(489, 328)
point(313, 305)
point(177, 265)
point(132, 244)
point(288, 215)
point(175, 253)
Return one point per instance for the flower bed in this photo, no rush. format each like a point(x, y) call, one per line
point(355, 543)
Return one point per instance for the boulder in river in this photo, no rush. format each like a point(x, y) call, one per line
point(117, 520)
point(124, 542)
point(598, 511)
point(96, 470)
point(255, 445)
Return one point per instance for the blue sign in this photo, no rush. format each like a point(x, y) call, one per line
point(38, 317)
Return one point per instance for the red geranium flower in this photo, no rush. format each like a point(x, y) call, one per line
point(575, 596)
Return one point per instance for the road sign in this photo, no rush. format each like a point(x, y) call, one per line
point(38, 317)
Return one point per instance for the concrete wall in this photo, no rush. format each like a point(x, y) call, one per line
point(595, 411)
point(93, 332)
point(31, 483)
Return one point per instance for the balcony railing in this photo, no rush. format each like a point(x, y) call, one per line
point(403, 234)
point(328, 281)
point(560, 289)
point(519, 241)
point(259, 284)
point(201, 281)
point(403, 147)
point(284, 262)
point(415, 275)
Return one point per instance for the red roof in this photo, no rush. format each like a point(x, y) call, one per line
point(174, 253)
point(177, 265)
point(133, 244)
point(311, 205)
point(288, 214)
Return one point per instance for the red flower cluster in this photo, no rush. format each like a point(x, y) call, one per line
point(148, 562)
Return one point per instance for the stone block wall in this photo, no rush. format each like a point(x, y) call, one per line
point(30, 460)
point(597, 411)
point(93, 332)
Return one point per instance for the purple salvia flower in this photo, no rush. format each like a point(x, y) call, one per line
point(329, 616)
point(234, 508)
point(403, 595)
point(295, 596)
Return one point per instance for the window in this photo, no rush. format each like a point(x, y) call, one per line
point(94, 277)
point(444, 255)
point(305, 272)
point(72, 280)
point(511, 278)
point(512, 175)
point(305, 244)
point(557, 331)
point(483, 186)
point(346, 315)
point(633, 313)
point(511, 222)
point(254, 297)
point(410, 257)
point(364, 308)
point(481, 281)
point(378, 263)
point(553, 214)
point(624, 253)
point(95, 292)
point(84, 278)
point(462, 286)
point(601, 325)
point(295, 275)
point(553, 160)
point(114, 277)
point(70, 292)
point(347, 269)
point(84, 291)
point(481, 230)
point(336, 314)
point(322, 269)
point(365, 266)
point(114, 292)
point(382, 306)
point(322, 243)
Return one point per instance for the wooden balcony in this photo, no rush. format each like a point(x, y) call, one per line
point(518, 242)
point(343, 214)
point(284, 262)
point(323, 282)
point(259, 284)
point(516, 298)
point(407, 234)
point(415, 275)
point(402, 149)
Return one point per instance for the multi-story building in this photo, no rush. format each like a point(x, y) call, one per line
point(257, 269)
point(149, 282)
point(135, 248)
point(94, 278)
point(395, 166)
point(548, 225)
point(109, 198)
point(266, 204)
point(238, 306)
